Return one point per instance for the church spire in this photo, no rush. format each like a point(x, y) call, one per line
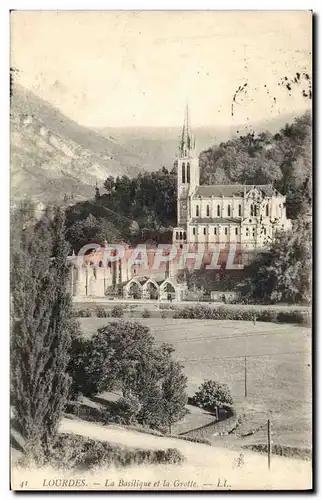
point(186, 140)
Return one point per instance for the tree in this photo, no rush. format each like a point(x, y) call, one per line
point(109, 184)
point(122, 355)
point(284, 274)
point(116, 355)
point(174, 394)
point(97, 193)
point(91, 230)
point(42, 326)
point(212, 395)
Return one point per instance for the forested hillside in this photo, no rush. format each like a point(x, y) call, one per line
point(283, 159)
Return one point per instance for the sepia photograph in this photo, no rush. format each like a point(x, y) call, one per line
point(161, 250)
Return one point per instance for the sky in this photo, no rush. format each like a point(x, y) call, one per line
point(114, 69)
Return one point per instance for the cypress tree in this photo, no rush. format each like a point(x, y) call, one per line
point(42, 326)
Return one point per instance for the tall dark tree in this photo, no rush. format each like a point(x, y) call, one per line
point(42, 326)
point(174, 395)
point(97, 193)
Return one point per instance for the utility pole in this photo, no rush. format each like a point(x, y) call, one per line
point(269, 443)
point(245, 377)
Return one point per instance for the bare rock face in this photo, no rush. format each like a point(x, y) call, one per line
point(52, 157)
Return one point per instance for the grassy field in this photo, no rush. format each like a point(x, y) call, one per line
point(278, 362)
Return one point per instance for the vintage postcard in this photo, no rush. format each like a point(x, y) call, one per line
point(161, 250)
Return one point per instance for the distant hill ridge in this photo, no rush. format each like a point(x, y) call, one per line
point(51, 155)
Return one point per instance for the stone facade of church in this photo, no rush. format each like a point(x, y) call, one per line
point(212, 215)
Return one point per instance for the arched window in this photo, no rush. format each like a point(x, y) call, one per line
point(183, 173)
point(177, 235)
point(252, 210)
point(208, 210)
point(226, 230)
point(184, 236)
point(265, 231)
point(267, 210)
point(180, 235)
point(218, 210)
point(236, 230)
point(228, 210)
point(239, 210)
point(204, 230)
point(197, 211)
point(215, 230)
point(188, 173)
point(193, 230)
point(255, 210)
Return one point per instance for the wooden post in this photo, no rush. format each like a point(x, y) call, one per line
point(269, 443)
point(245, 377)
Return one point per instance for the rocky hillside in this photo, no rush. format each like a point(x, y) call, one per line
point(53, 158)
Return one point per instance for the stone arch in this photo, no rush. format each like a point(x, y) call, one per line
point(133, 289)
point(168, 289)
point(151, 289)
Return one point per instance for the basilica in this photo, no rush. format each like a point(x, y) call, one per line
point(245, 215)
point(225, 217)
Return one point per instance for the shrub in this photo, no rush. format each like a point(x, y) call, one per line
point(146, 313)
point(212, 395)
point(163, 314)
point(127, 409)
point(117, 312)
point(290, 316)
point(101, 312)
point(166, 306)
point(267, 315)
point(84, 313)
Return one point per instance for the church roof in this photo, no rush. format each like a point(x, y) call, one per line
point(217, 220)
point(231, 190)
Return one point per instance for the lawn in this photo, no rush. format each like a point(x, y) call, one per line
point(278, 359)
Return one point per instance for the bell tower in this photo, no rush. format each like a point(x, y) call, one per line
point(188, 171)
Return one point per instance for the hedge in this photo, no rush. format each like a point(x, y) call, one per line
point(301, 317)
point(82, 453)
point(282, 451)
point(235, 313)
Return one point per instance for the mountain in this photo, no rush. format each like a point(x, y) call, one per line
point(157, 146)
point(53, 157)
